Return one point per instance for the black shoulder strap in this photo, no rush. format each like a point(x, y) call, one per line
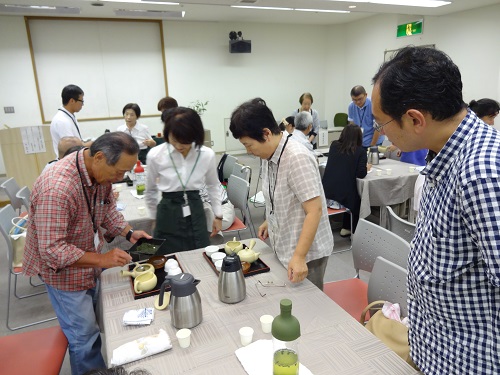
point(220, 167)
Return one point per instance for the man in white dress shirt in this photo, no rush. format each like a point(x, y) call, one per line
point(64, 123)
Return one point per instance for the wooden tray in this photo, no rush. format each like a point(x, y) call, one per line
point(160, 275)
point(255, 268)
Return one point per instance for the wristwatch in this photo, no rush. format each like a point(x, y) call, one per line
point(129, 234)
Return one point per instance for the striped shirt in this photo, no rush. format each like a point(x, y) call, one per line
point(454, 264)
point(298, 181)
point(60, 227)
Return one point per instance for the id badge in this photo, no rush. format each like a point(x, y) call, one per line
point(96, 240)
point(186, 211)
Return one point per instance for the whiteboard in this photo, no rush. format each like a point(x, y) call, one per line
point(113, 62)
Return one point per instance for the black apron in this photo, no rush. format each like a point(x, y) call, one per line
point(182, 233)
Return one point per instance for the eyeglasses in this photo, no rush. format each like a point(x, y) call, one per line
point(79, 100)
point(379, 127)
point(267, 284)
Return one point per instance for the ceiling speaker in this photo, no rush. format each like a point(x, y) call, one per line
point(240, 46)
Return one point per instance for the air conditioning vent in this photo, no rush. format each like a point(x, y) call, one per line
point(248, 1)
point(37, 9)
point(149, 13)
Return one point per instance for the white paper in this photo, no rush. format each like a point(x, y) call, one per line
point(33, 140)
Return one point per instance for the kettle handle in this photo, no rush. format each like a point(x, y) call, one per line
point(162, 289)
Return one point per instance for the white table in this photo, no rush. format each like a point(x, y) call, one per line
point(386, 190)
point(332, 342)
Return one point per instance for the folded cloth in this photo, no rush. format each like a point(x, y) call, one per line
point(263, 350)
point(135, 195)
point(121, 206)
point(141, 348)
point(138, 317)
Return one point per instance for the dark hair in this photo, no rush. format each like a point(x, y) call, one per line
point(184, 124)
point(350, 139)
point(358, 90)
point(251, 118)
point(420, 78)
point(306, 95)
point(166, 103)
point(290, 120)
point(134, 107)
point(70, 92)
point(119, 370)
point(113, 144)
point(485, 107)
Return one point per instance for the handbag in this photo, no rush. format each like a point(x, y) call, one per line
point(18, 239)
point(392, 333)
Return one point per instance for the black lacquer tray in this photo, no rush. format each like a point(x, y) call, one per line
point(255, 268)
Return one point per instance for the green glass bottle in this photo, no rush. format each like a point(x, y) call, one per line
point(286, 334)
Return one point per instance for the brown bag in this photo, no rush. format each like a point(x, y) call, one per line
point(392, 333)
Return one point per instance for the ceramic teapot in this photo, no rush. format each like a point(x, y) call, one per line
point(139, 269)
point(248, 255)
point(233, 246)
point(145, 282)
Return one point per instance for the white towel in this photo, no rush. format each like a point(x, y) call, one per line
point(141, 348)
point(263, 350)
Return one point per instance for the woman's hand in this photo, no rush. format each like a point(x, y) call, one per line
point(297, 269)
point(262, 232)
point(368, 167)
point(216, 227)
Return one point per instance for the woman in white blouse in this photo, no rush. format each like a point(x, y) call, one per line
point(131, 113)
point(178, 169)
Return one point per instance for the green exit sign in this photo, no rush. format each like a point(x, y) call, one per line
point(408, 29)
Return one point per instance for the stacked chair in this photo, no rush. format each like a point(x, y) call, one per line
point(399, 226)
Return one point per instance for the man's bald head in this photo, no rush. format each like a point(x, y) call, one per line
point(66, 143)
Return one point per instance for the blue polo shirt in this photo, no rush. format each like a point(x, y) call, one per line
point(363, 117)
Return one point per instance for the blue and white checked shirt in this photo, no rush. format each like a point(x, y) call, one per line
point(454, 264)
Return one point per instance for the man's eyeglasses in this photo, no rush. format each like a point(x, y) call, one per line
point(80, 100)
point(379, 127)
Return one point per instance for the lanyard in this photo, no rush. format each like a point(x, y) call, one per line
point(179, 176)
point(271, 196)
point(72, 119)
point(91, 211)
point(362, 116)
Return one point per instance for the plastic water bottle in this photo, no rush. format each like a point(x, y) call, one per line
point(286, 334)
point(140, 178)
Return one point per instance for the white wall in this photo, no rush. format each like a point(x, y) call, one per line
point(469, 38)
point(286, 60)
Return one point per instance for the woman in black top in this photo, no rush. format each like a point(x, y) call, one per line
point(347, 160)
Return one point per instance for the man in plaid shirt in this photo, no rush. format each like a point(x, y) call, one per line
point(70, 203)
point(454, 264)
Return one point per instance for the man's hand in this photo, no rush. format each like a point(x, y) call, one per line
point(297, 269)
point(115, 258)
point(262, 232)
point(139, 234)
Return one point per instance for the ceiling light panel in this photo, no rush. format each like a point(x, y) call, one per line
point(37, 9)
point(148, 13)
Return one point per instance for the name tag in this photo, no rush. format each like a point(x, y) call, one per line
point(186, 211)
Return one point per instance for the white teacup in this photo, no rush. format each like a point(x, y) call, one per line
point(379, 172)
point(141, 210)
point(388, 171)
point(411, 169)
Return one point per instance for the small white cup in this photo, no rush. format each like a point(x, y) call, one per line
point(216, 256)
point(184, 337)
point(379, 172)
point(218, 264)
point(266, 322)
point(411, 169)
point(141, 210)
point(174, 271)
point(246, 335)
point(388, 171)
point(171, 264)
point(209, 250)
